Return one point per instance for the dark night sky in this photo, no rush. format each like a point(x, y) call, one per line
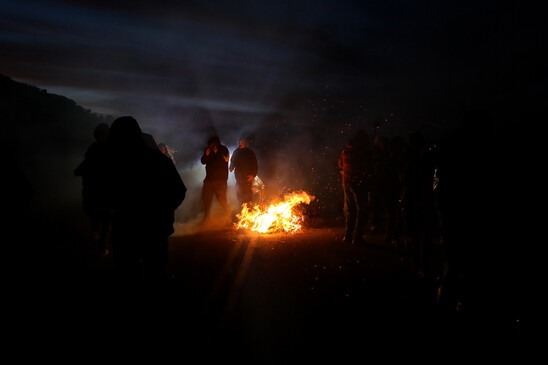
point(243, 61)
point(185, 68)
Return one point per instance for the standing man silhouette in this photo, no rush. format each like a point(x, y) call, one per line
point(146, 189)
point(355, 164)
point(245, 167)
point(215, 159)
point(95, 184)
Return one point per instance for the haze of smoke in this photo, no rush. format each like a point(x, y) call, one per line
point(189, 215)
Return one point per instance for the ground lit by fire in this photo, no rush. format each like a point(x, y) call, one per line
point(277, 217)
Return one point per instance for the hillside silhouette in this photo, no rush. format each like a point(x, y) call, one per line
point(43, 137)
point(41, 131)
point(33, 119)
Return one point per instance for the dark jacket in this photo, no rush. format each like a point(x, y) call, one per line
point(355, 164)
point(216, 164)
point(147, 189)
point(244, 163)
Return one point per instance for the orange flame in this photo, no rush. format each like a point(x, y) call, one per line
point(276, 217)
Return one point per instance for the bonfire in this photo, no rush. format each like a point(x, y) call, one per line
point(277, 217)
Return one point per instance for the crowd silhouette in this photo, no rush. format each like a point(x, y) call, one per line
point(406, 190)
point(388, 191)
point(132, 190)
point(413, 192)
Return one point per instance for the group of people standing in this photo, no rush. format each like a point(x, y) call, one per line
point(131, 192)
point(414, 192)
point(131, 189)
point(405, 191)
point(388, 189)
point(218, 163)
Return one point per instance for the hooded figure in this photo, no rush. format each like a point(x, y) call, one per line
point(215, 158)
point(145, 192)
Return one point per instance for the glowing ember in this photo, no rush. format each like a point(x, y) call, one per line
point(276, 217)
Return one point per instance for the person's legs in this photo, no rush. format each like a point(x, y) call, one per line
point(349, 213)
point(207, 197)
point(244, 192)
point(362, 214)
point(220, 193)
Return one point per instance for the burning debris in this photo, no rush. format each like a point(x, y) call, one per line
point(257, 187)
point(277, 217)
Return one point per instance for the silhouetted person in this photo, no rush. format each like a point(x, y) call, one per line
point(355, 163)
point(146, 189)
point(385, 189)
point(420, 215)
point(215, 159)
point(245, 167)
point(95, 184)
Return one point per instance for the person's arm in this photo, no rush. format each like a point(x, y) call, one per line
point(226, 154)
point(205, 156)
point(233, 161)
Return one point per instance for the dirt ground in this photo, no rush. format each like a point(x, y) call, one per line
point(276, 296)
